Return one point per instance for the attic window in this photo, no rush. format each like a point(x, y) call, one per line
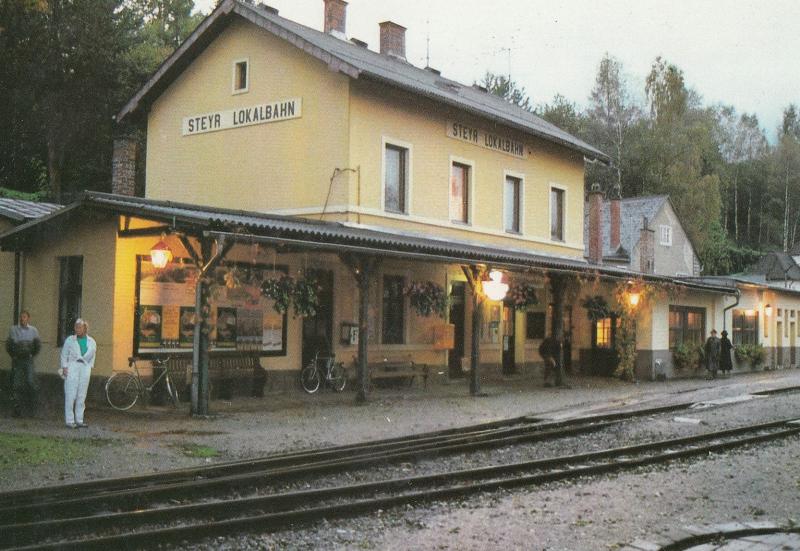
point(665, 235)
point(241, 76)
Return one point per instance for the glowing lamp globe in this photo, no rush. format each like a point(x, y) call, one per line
point(160, 255)
point(633, 299)
point(495, 289)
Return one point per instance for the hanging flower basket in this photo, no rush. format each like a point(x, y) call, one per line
point(522, 295)
point(597, 308)
point(306, 297)
point(280, 290)
point(427, 298)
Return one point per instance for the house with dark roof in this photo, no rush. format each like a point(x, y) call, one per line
point(643, 234)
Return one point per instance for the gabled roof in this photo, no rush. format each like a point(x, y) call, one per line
point(776, 266)
point(356, 62)
point(300, 232)
point(631, 213)
point(19, 210)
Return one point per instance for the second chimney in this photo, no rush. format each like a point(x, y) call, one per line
point(614, 208)
point(123, 166)
point(393, 39)
point(595, 225)
point(335, 17)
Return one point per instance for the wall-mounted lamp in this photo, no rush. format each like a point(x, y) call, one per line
point(768, 311)
point(160, 254)
point(495, 289)
point(633, 299)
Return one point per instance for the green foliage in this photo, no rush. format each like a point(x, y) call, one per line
point(427, 298)
point(754, 354)
point(507, 89)
point(198, 450)
point(686, 356)
point(597, 308)
point(522, 295)
point(306, 296)
point(280, 290)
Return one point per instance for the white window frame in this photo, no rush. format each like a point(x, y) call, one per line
point(234, 90)
point(386, 140)
point(564, 220)
point(470, 192)
point(521, 177)
point(665, 229)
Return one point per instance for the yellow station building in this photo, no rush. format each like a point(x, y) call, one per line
point(275, 149)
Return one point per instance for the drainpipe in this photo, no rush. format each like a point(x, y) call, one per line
point(734, 305)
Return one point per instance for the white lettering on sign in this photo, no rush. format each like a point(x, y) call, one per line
point(482, 138)
point(245, 116)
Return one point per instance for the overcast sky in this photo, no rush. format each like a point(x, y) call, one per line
point(741, 52)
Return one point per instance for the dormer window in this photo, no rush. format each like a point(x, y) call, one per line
point(241, 76)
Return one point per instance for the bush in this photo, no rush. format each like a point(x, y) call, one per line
point(686, 356)
point(754, 354)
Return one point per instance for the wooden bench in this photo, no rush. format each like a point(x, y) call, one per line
point(397, 369)
point(224, 372)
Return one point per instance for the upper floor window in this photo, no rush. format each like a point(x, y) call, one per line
point(241, 76)
point(665, 235)
point(395, 178)
point(512, 204)
point(557, 214)
point(70, 293)
point(459, 192)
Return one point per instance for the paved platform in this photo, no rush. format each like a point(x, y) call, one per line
point(734, 536)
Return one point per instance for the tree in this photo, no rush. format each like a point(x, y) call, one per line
point(666, 92)
point(611, 113)
point(564, 114)
point(507, 89)
point(787, 172)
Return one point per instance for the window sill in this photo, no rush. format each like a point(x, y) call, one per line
point(460, 223)
point(239, 92)
point(556, 240)
point(398, 212)
point(513, 232)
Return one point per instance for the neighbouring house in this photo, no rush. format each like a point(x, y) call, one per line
point(274, 150)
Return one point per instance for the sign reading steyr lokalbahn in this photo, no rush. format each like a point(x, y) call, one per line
point(275, 111)
point(482, 138)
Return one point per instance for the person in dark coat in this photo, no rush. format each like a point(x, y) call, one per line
point(725, 349)
point(548, 350)
point(22, 345)
point(712, 354)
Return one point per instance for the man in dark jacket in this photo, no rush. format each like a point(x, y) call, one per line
point(548, 350)
point(712, 354)
point(22, 345)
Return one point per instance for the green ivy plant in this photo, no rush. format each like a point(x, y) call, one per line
point(597, 308)
point(306, 297)
point(280, 290)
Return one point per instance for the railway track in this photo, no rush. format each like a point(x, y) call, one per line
point(146, 527)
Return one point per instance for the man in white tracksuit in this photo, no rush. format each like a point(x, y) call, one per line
point(77, 360)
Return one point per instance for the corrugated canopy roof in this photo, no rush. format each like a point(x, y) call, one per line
point(354, 61)
point(20, 210)
point(197, 219)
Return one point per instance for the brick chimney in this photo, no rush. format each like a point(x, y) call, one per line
point(335, 17)
point(595, 225)
point(393, 39)
point(123, 166)
point(647, 240)
point(614, 208)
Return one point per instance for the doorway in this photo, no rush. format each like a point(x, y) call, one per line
point(318, 329)
point(779, 343)
point(509, 364)
point(793, 344)
point(456, 316)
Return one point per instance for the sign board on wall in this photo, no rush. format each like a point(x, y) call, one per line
point(489, 140)
point(241, 318)
point(275, 111)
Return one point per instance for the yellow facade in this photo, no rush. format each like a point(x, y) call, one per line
point(290, 166)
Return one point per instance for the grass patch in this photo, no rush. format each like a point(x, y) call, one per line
point(19, 450)
point(196, 450)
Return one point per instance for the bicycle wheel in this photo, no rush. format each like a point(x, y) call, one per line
point(338, 377)
point(122, 390)
point(172, 391)
point(309, 378)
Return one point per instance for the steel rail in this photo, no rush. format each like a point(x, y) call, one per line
point(23, 534)
point(142, 497)
point(46, 494)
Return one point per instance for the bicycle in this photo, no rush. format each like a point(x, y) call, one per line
point(332, 373)
point(124, 388)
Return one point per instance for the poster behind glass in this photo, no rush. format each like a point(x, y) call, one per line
point(241, 319)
